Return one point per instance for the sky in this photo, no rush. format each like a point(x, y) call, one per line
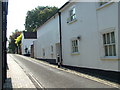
point(17, 10)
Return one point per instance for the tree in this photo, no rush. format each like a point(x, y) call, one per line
point(18, 43)
point(38, 16)
point(18, 40)
point(12, 46)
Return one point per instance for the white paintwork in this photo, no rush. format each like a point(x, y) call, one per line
point(89, 25)
point(26, 43)
point(48, 34)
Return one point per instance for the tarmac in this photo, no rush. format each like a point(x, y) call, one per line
point(16, 77)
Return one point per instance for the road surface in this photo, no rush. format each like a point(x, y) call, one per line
point(50, 77)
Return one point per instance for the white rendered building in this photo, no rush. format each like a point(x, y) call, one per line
point(27, 41)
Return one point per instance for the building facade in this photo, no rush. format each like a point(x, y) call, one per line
point(48, 43)
point(92, 35)
point(88, 36)
point(27, 41)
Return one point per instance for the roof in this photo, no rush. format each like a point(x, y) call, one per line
point(30, 35)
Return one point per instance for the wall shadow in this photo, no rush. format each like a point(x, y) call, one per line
point(8, 84)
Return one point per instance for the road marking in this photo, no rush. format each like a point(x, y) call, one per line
point(30, 75)
point(36, 81)
point(76, 73)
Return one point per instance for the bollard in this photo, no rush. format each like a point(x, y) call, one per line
point(58, 59)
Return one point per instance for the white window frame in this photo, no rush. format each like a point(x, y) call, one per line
point(109, 44)
point(72, 17)
point(104, 2)
point(102, 54)
point(72, 13)
point(51, 49)
point(103, 5)
point(73, 52)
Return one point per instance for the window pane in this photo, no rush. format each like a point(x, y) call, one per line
point(75, 46)
point(72, 44)
point(72, 14)
point(110, 50)
point(76, 43)
point(76, 49)
point(104, 39)
point(114, 50)
point(102, 3)
point(106, 51)
point(108, 38)
point(112, 37)
point(73, 49)
point(51, 48)
point(73, 10)
point(72, 18)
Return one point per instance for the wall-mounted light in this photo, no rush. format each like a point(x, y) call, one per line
point(79, 37)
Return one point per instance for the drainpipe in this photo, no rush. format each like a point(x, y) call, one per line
point(61, 59)
point(1, 59)
point(4, 38)
point(118, 33)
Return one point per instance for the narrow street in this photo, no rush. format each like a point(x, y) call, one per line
point(50, 77)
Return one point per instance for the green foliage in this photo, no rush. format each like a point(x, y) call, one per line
point(12, 46)
point(38, 16)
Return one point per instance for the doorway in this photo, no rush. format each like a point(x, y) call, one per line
point(57, 51)
point(43, 53)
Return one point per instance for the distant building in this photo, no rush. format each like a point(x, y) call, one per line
point(27, 41)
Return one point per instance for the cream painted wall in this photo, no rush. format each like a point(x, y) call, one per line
point(90, 22)
point(48, 35)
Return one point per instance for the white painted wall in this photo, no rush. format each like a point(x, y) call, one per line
point(26, 43)
point(90, 22)
point(48, 34)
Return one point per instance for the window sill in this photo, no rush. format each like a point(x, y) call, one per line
point(72, 21)
point(77, 53)
point(110, 58)
point(105, 5)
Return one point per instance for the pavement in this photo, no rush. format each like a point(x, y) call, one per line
point(16, 77)
point(25, 72)
point(50, 76)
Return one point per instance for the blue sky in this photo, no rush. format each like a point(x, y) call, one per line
point(17, 10)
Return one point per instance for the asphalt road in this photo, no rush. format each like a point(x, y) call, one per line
point(49, 77)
